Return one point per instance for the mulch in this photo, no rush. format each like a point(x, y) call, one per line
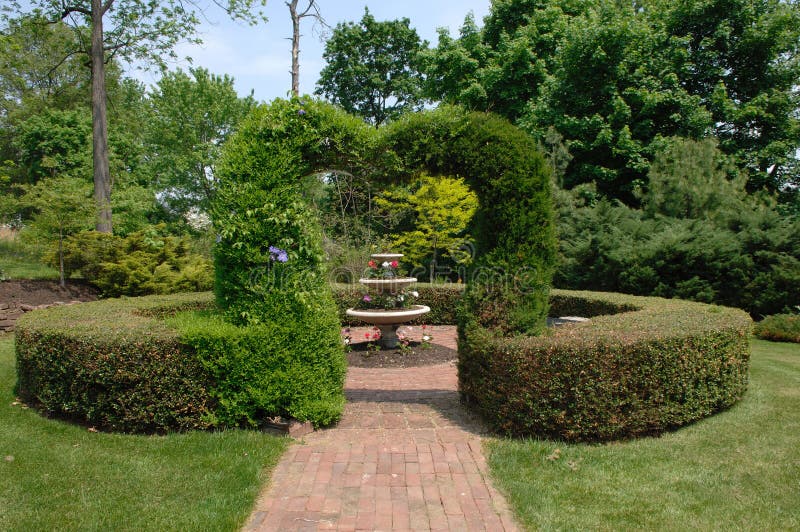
point(43, 292)
point(416, 355)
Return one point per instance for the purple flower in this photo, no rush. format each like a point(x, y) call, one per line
point(367, 298)
point(301, 112)
point(278, 254)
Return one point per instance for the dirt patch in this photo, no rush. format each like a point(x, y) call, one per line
point(361, 356)
point(41, 292)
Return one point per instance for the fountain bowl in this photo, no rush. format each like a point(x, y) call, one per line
point(391, 285)
point(389, 317)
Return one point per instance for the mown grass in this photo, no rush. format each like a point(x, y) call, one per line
point(18, 261)
point(58, 476)
point(739, 470)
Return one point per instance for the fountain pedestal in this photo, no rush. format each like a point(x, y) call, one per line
point(388, 320)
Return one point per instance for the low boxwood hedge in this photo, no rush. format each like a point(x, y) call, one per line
point(143, 365)
point(639, 367)
point(651, 366)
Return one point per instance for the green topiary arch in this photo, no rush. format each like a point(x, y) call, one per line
point(259, 206)
point(270, 268)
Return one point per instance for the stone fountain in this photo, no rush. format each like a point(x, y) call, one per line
point(387, 287)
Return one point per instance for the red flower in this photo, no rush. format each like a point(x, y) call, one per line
point(371, 264)
point(394, 264)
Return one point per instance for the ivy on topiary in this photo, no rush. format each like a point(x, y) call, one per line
point(508, 282)
point(269, 261)
point(270, 272)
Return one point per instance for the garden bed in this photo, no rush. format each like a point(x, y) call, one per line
point(640, 366)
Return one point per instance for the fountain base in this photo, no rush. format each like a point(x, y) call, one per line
point(388, 321)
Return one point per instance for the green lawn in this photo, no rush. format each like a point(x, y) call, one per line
point(64, 477)
point(18, 262)
point(739, 470)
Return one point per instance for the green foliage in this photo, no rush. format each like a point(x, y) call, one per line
point(735, 250)
point(504, 66)
point(144, 262)
point(691, 179)
point(611, 97)
point(664, 365)
point(615, 78)
point(285, 367)
point(740, 58)
point(271, 277)
point(373, 69)
point(508, 281)
point(779, 328)
point(259, 206)
point(193, 115)
point(54, 144)
point(107, 364)
point(156, 364)
point(62, 208)
point(434, 216)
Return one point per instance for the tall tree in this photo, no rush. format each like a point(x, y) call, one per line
point(742, 58)
point(129, 30)
point(193, 114)
point(616, 78)
point(311, 10)
point(613, 96)
point(374, 68)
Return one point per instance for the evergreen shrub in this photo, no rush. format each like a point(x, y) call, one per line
point(657, 365)
point(779, 328)
point(142, 263)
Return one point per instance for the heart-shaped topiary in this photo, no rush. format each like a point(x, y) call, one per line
point(269, 257)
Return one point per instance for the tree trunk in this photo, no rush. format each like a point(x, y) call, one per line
point(102, 172)
point(295, 46)
point(62, 282)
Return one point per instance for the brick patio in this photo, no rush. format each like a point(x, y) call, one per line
point(405, 456)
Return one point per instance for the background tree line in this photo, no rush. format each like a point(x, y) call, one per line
point(672, 128)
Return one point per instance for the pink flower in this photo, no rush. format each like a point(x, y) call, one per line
point(394, 264)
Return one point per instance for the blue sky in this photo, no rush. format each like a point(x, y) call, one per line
point(259, 57)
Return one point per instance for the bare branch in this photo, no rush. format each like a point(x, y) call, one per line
point(106, 6)
point(68, 10)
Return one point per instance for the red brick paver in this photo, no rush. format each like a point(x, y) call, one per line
point(405, 456)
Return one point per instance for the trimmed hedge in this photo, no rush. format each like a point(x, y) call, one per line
point(640, 367)
point(128, 365)
point(656, 365)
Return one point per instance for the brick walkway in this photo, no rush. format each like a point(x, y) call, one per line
point(405, 456)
